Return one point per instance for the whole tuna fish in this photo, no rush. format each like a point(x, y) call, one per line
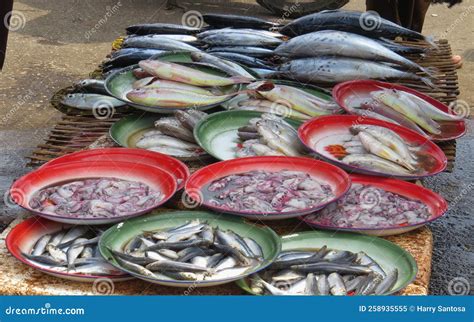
point(157, 42)
point(239, 31)
point(244, 39)
point(340, 69)
point(341, 43)
point(363, 23)
point(237, 21)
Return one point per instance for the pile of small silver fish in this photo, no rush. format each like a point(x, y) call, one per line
point(323, 272)
point(283, 100)
point(380, 149)
point(408, 110)
point(267, 192)
point(366, 206)
point(194, 251)
point(174, 135)
point(268, 135)
point(95, 198)
point(71, 250)
point(178, 86)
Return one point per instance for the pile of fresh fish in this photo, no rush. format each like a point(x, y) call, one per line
point(252, 48)
point(178, 86)
point(267, 192)
point(323, 272)
point(283, 100)
point(406, 109)
point(95, 198)
point(268, 135)
point(333, 46)
point(72, 250)
point(363, 23)
point(379, 149)
point(194, 251)
point(366, 206)
point(174, 135)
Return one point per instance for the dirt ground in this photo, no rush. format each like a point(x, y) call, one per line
point(59, 42)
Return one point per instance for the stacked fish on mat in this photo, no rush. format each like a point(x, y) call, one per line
point(72, 250)
point(323, 271)
point(252, 48)
point(362, 23)
point(283, 100)
point(378, 149)
point(332, 56)
point(178, 86)
point(262, 191)
point(366, 206)
point(268, 135)
point(174, 135)
point(408, 110)
point(194, 251)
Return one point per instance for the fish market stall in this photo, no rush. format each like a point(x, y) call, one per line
point(220, 160)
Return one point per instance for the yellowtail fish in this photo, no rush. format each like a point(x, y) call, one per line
point(168, 97)
point(187, 75)
point(403, 105)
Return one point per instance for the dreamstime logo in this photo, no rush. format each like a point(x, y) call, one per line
point(103, 286)
point(281, 108)
point(369, 198)
point(459, 286)
point(460, 108)
point(103, 110)
point(192, 18)
point(14, 20)
point(370, 20)
point(13, 197)
point(192, 198)
point(109, 12)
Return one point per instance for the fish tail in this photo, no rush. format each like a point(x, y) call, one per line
point(428, 82)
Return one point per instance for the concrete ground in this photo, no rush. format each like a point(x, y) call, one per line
point(59, 42)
